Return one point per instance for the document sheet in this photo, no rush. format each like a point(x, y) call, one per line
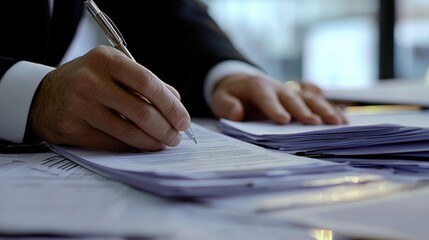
point(44, 195)
point(401, 134)
point(217, 166)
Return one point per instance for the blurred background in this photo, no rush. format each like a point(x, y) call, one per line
point(333, 43)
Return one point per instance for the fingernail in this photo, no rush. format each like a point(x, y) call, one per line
point(285, 117)
point(316, 119)
point(333, 119)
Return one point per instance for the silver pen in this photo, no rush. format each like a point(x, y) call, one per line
point(115, 38)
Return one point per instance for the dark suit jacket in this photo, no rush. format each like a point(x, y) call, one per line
point(175, 39)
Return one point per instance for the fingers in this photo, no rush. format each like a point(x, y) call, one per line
point(261, 97)
point(145, 83)
point(243, 97)
point(127, 132)
point(227, 106)
point(297, 108)
point(144, 120)
point(90, 137)
point(94, 138)
point(98, 100)
point(314, 101)
point(310, 87)
point(173, 91)
point(268, 102)
point(152, 110)
point(329, 113)
point(310, 107)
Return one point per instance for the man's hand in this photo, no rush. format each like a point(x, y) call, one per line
point(243, 97)
point(100, 100)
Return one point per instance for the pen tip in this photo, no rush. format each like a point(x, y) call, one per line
point(191, 135)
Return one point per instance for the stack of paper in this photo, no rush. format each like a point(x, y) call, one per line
point(392, 164)
point(375, 139)
point(396, 141)
point(217, 166)
point(75, 204)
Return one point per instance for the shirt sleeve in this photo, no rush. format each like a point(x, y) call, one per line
point(17, 88)
point(223, 69)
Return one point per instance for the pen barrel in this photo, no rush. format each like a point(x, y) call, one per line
point(122, 48)
point(108, 29)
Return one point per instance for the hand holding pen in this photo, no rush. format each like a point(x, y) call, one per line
point(95, 101)
point(116, 39)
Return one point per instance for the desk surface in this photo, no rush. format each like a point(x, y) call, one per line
point(44, 194)
point(397, 91)
point(34, 199)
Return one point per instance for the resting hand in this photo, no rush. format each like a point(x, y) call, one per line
point(97, 101)
point(243, 97)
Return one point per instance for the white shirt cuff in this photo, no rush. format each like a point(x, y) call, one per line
point(223, 69)
point(17, 88)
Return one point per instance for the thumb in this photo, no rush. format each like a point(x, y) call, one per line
point(228, 107)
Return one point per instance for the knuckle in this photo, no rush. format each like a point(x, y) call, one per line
point(102, 51)
point(83, 82)
point(147, 82)
point(106, 57)
point(65, 126)
point(171, 108)
point(309, 96)
point(255, 83)
point(144, 114)
point(259, 83)
point(87, 85)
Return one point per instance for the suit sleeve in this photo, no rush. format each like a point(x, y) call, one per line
point(178, 41)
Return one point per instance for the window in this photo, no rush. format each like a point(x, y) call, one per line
point(328, 42)
point(412, 39)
